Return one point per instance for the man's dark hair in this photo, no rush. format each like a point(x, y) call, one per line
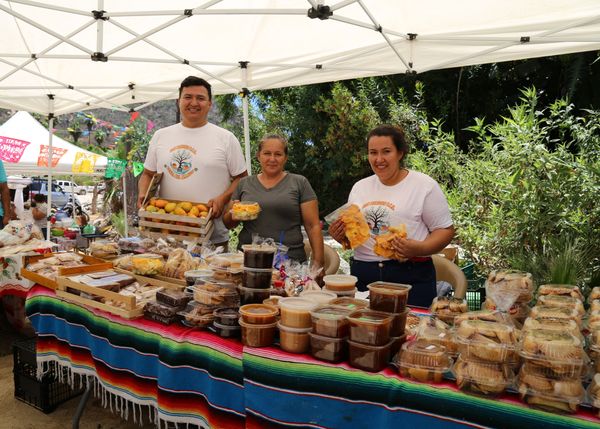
point(195, 81)
point(39, 198)
point(397, 136)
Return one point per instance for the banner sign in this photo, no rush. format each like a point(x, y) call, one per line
point(11, 150)
point(115, 168)
point(57, 153)
point(138, 167)
point(84, 163)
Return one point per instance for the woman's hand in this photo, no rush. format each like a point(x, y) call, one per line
point(407, 248)
point(338, 231)
point(227, 218)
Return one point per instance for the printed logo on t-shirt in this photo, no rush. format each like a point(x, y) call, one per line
point(378, 215)
point(180, 162)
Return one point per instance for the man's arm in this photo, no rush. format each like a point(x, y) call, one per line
point(143, 184)
point(219, 203)
point(5, 202)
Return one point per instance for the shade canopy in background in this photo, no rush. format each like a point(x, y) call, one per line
point(108, 53)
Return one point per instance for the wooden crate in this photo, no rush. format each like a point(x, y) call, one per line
point(202, 227)
point(93, 264)
point(130, 311)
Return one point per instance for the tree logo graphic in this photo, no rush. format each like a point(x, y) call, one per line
point(180, 164)
point(378, 219)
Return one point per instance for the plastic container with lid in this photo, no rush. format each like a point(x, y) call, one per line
point(594, 391)
point(398, 323)
point(560, 352)
point(340, 282)
point(388, 297)
point(370, 327)
point(436, 331)
point(342, 293)
point(294, 340)
point(486, 341)
point(547, 311)
point(258, 255)
point(245, 210)
point(548, 394)
point(226, 331)
point(368, 357)
point(423, 361)
point(227, 261)
point(223, 294)
point(396, 344)
point(551, 324)
point(227, 316)
point(192, 276)
point(331, 321)
point(560, 289)
point(252, 296)
point(488, 315)
point(350, 303)
point(147, 264)
point(321, 297)
point(447, 309)
point(272, 300)
point(563, 302)
point(161, 309)
point(260, 314)
point(173, 297)
point(327, 348)
point(198, 315)
point(482, 378)
point(257, 278)
point(295, 312)
point(254, 335)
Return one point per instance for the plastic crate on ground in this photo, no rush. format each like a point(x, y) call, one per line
point(45, 394)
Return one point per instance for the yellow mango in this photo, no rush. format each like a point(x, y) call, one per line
point(186, 205)
point(202, 207)
point(179, 211)
point(151, 209)
point(191, 215)
point(170, 207)
point(152, 200)
point(161, 211)
point(194, 212)
point(203, 214)
point(161, 203)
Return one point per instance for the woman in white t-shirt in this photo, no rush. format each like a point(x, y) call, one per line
point(395, 195)
point(39, 213)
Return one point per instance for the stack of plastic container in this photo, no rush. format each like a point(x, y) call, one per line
point(551, 373)
point(257, 273)
point(259, 324)
point(227, 267)
point(370, 342)
point(295, 324)
point(509, 291)
point(391, 298)
point(209, 295)
point(343, 285)
point(487, 351)
point(330, 328)
point(169, 302)
point(423, 361)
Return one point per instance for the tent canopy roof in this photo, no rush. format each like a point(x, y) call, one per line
point(136, 51)
point(25, 141)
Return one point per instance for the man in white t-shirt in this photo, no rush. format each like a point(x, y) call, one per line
point(200, 161)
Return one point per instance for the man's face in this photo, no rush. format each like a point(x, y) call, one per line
point(194, 104)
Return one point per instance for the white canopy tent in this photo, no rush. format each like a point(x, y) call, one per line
point(61, 56)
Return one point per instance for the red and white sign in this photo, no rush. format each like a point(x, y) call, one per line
point(11, 150)
point(57, 153)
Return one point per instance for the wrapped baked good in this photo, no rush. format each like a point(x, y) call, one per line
point(173, 297)
point(555, 354)
point(104, 249)
point(479, 377)
point(69, 257)
point(558, 289)
point(198, 315)
point(222, 294)
point(508, 281)
point(383, 243)
point(594, 392)
point(517, 311)
point(435, 331)
point(446, 308)
point(551, 312)
point(559, 325)
point(357, 228)
point(548, 393)
point(423, 361)
point(487, 315)
point(124, 262)
point(562, 302)
point(148, 264)
point(594, 294)
point(594, 305)
point(487, 341)
point(178, 263)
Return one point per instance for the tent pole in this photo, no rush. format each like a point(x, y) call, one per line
point(245, 93)
point(125, 222)
point(49, 187)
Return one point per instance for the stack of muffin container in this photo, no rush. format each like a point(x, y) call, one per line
point(391, 298)
point(257, 273)
point(554, 363)
point(510, 291)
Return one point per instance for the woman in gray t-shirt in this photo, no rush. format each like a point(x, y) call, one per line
point(287, 201)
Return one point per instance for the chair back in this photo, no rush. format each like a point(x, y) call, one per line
point(331, 258)
point(448, 271)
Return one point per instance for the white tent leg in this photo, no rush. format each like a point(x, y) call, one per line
point(245, 95)
point(125, 204)
point(50, 155)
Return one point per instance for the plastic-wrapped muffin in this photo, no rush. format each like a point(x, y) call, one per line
point(558, 289)
point(594, 392)
point(488, 341)
point(552, 324)
point(487, 315)
point(562, 302)
point(550, 312)
point(447, 308)
point(563, 395)
point(486, 378)
point(435, 331)
point(555, 354)
point(594, 294)
point(510, 280)
point(423, 361)
point(594, 305)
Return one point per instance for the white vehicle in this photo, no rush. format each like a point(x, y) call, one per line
point(70, 187)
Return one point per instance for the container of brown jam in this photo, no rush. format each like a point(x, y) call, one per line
point(327, 348)
point(331, 321)
point(340, 282)
point(396, 344)
point(257, 278)
point(252, 296)
point(258, 256)
point(321, 297)
point(295, 312)
point(370, 327)
point(258, 335)
point(388, 297)
point(226, 331)
point(227, 316)
point(350, 303)
point(368, 357)
point(398, 323)
point(260, 314)
point(294, 340)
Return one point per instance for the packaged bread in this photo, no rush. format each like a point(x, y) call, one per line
point(510, 280)
point(560, 289)
point(124, 262)
point(178, 263)
point(383, 243)
point(487, 315)
point(550, 312)
point(104, 249)
point(594, 305)
point(357, 229)
point(562, 394)
point(423, 361)
point(435, 331)
point(446, 308)
point(555, 354)
point(594, 392)
point(487, 378)
point(148, 264)
point(487, 341)
point(562, 301)
point(594, 294)
point(552, 324)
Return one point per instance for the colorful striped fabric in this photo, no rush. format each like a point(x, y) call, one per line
point(196, 377)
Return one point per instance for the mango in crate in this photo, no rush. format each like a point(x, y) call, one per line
point(202, 208)
point(194, 211)
point(179, 211)
point(151, 209)
point(186, 205)
point(161, 203)
point(170, 207)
